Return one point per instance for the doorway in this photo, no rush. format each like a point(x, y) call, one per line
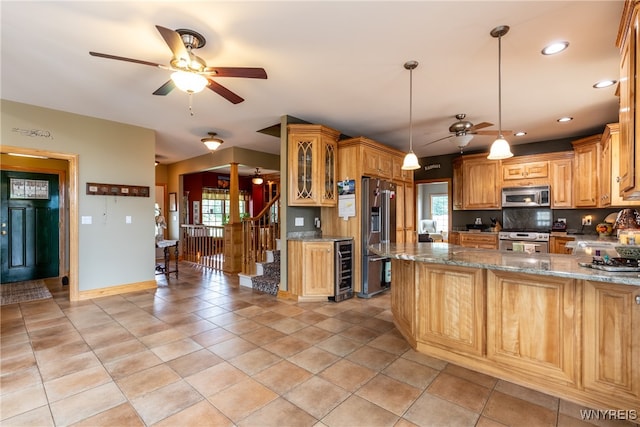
point(433, 208)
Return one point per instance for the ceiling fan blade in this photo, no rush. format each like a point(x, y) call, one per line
point(122, 58)
point(479, 126)
point(174, 41)
point(247, 72)
point(437, 140)
point(165, 88)
point(493, 132)
point(224, 92)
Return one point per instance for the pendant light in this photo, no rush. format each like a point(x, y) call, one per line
point(410, 160)
point(257, 178)
point(500, 148)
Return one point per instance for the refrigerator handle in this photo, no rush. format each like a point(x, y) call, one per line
point(384, 220)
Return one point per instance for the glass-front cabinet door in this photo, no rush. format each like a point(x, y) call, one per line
point(312, 165)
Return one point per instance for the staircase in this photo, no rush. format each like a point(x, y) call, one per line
point(267, 277)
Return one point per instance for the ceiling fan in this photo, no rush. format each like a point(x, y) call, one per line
point(463, 131)
point(190, 72)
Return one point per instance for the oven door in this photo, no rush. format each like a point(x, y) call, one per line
point(527, 246)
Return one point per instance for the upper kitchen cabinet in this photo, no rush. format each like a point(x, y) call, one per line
point(561, 181)
point(377, 163)
point(312, 165)
point(610, 194)
point(481, 183)
point(515, 172)
point(629, 161)
point(586, 164)
point(457, 184)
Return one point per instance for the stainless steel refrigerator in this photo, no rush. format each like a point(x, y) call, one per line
point(378, 226)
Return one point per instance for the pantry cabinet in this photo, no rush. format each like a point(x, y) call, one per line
point(611, 355)
point(312, 154)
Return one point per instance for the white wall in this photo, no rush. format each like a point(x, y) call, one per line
point(110, 252)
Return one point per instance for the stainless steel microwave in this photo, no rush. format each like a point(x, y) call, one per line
point(532, 196)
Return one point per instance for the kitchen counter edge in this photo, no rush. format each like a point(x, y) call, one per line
point(558, 265)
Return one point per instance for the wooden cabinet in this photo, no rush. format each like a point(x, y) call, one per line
point(311, 269)
point(403, 298)
point(312, 155)
point(457, 181)
point(513, 173)
point(479, 240)
point(561, 183)
point(611, 355)
point(377, 163)
point(610, 193)
point(405, 213)
point(454, 238)
point(400, 174)
point(451, 307)
point(629, 160)
point(480, 187)
point(586, 165)
point(531, 325)
point(557, 244)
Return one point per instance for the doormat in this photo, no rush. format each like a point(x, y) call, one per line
point(17, 292)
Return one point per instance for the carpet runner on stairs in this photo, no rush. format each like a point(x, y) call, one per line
point(269, 281)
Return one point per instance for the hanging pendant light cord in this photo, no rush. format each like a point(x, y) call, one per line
point(411, 110)
point(500, 88)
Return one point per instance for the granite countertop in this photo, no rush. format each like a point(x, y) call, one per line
point(319, 238)
point(558, 265)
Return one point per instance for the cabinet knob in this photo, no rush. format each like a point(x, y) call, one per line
point(617, 179)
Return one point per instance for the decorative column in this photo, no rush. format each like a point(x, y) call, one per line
point(233, 229)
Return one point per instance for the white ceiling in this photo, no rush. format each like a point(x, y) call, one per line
point(336, 63)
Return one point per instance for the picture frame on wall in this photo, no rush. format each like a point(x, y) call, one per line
point(173, 202)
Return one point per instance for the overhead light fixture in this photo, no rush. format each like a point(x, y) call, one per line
point(257, 178)
point(189, 82)
point(157, 163)
point(500, 148)
point(604, 83)
point(521, 133)
point(554, 48)
point(462, 140)
point(410, 160)
point(564, 119)
point(212, 142)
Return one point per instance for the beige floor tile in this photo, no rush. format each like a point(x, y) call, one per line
point(165, 401)
point(202, 414)
point(372, 358)
point(21, 349)
point(119, 350)
point(193, 363)
point(467, 374)
point(250, 312)
point(146, 381)
point(12, 381)
point(412, 373)
point(359, 333)
point(423, 359)
point(310, 317)
point(312, 334)
point(40, 417)
point(460, 391)
point(242, 326)
point(487, 422)
point(255, 361)
point(287, 346)
point(162, 337)
point(76, 382)
point(121, 415)
point(175, 349)
point(333, 325)
point(338, 345)
point(277, 413)
point(242, 399)
point(510, 410)
point(356, 411)
point(232, 347)
point(13, 364)
point(86, 404)
point(105, 335)
point(390, 343)
point(429, 410)
point(314, 359)
point(348, 375)
point(352, 316)
point(288, 325)
point(213, 336)
point(282, 376)
point(316, 396)
point(542, 399)
point(263, 335)
point(23, 400)
point(289, 310)
point(216, 378)
point(195, 327)
point(131, 364)
point(54, 367)
point(390, 394)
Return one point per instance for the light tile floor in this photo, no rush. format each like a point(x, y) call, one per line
point(202, 351)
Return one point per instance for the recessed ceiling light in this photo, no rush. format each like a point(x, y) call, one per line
point(521, 133)
point(554, 48)
point(604, 83)
point(564, 119)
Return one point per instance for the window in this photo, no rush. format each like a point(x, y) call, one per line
point(440, 211)
point(216, 205)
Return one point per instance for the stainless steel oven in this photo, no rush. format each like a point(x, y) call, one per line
point(524, 241)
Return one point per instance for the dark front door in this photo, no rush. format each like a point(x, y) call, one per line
point(29, 226)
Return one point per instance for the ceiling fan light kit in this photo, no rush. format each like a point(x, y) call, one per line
point(189, 82)
point(212, 142)
point(500, 148)
point(410, 160)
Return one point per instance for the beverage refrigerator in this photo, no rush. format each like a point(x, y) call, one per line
point(378, 226)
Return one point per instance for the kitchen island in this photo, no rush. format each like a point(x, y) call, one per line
point(540, 320)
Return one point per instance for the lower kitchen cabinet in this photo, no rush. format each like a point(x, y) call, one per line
point(311, 269)
point(531, 325)
point(611, 319)
point(479, 240)
point(450, 304)
point(403, 300)
point(557, 244)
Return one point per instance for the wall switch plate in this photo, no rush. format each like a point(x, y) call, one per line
point(127, 219)
point(86, 220)
point(299, 222)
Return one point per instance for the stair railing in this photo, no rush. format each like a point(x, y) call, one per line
point(203, 245)
point(259, 235)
